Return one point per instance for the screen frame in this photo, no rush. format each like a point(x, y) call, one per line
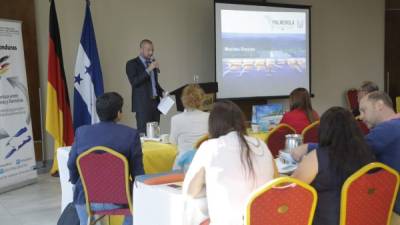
point(282, 5)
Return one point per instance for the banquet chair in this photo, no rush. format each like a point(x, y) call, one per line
point(105, 178)
point(310, 133)
point(352, 98)
point(368, 195)
point(185, 159)
point(284, 200)
point(362, 126)
point(276, 138)
point(200, 141)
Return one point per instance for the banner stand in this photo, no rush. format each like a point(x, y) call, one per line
point(17, 155)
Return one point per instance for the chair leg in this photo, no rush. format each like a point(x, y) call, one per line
point(96, 220)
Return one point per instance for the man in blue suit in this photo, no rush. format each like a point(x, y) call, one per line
point(142, 73)
point(120, 138)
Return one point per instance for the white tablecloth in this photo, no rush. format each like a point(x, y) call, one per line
point(66, 186)
point(157, 205)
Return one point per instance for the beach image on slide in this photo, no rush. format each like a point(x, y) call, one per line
point(263, 55)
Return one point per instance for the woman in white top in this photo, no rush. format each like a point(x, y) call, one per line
point(187, 127)
point(225, 169)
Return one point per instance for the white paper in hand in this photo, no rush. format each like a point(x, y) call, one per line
point(165, 105)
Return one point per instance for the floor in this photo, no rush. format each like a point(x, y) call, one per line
point(36, 204)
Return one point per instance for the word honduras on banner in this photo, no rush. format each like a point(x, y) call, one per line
point(88, 77)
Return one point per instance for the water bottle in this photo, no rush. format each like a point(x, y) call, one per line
point(196, 78)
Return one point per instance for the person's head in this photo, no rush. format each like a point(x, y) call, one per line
point(340, 134)
point(192, 96)
point(109, 107)
point(146, 48)
point(365, 88)
point(225, 117)
point(300, 99)
point(376, 107)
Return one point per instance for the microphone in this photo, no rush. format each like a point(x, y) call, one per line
point(153, 60)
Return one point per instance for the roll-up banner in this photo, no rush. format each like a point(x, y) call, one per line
point(17, 156)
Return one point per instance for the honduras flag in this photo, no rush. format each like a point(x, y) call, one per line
point(88, 82)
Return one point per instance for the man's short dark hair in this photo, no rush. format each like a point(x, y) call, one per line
point(108, 105)
point(380, 95)
point(145, 41)
point(368, 87)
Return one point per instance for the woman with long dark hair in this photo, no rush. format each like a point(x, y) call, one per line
point(301, 113)
point(227, 168)
point(341, 152)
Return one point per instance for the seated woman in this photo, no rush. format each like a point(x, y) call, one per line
point(301, 113)
point(341, 152)
point(226, 169)
point(187, 127)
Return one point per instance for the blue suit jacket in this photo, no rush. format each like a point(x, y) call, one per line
point(120, 138)
point(141, 86)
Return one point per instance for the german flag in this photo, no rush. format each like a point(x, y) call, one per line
point(58, 112)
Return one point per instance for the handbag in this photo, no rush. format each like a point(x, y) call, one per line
point(69, 216)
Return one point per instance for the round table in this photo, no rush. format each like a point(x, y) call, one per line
point(158, 157)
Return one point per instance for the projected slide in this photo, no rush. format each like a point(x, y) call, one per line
point(261, 51)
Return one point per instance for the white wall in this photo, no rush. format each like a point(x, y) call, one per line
point(347, 43)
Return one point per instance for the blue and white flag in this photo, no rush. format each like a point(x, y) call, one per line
point(88, 82)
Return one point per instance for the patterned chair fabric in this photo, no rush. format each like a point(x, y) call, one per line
point(105, 178)
point(368, 196)
point(276, 138)
point(363, 127)
point(310, 133)
point(284, 200)
point(352, 98)
point(200, 141)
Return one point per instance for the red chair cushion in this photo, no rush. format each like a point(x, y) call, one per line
point(289, 206)
point(369, 198)
point(276, 139)
point(363, 127)
point(104, 176)
point(124, 211)
point(352, 98)
point(311, 135)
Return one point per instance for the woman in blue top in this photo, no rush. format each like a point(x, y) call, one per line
point(342, 151)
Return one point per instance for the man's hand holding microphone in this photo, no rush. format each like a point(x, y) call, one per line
point(153, 65)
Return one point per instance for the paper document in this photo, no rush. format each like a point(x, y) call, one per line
point(165, 105)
